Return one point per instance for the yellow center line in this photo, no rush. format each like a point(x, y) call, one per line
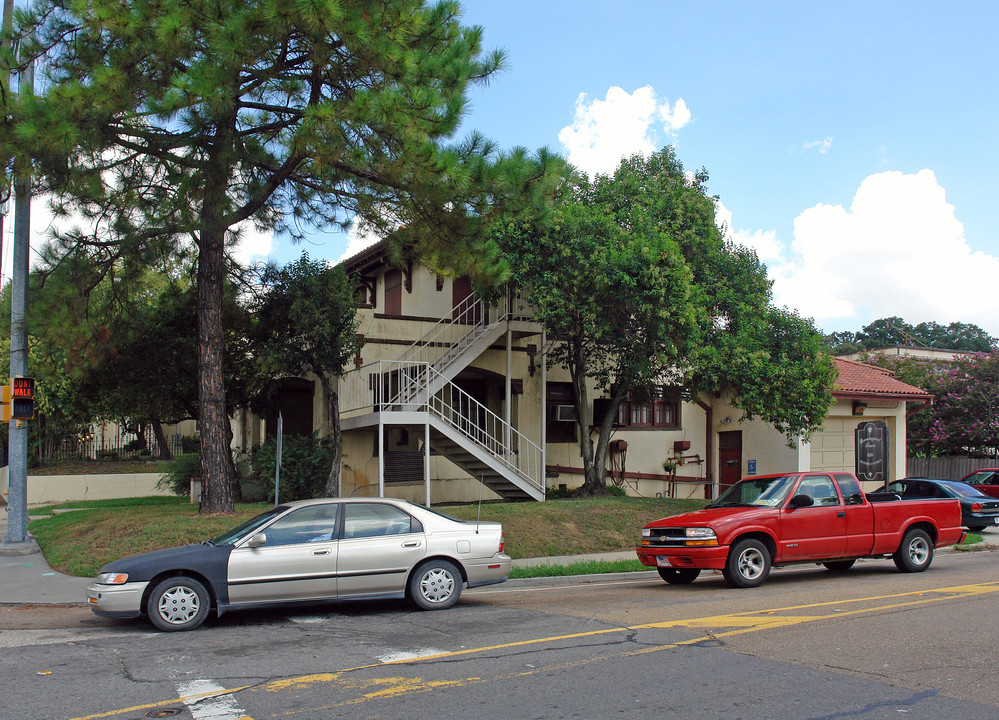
point(742, 622)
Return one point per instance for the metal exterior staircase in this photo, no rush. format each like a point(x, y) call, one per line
point(418, 388)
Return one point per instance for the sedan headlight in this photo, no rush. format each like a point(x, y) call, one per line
point(112, 578)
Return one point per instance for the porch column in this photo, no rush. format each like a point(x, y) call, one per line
point(544, 414)
point(381, 457)
point(509, 389)
point(426, 460)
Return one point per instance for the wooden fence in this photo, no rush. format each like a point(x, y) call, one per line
point(946, 468)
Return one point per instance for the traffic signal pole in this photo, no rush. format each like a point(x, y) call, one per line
point(17, 492)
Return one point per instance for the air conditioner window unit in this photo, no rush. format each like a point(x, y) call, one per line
point(565, 413)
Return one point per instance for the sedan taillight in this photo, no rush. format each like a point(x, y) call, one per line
point(976, 507)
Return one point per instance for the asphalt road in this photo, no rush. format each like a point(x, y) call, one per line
point(870, 643)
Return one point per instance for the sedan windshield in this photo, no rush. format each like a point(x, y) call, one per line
point(756, 492)
point(233, 536)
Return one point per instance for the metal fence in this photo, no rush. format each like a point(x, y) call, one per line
point(946, 468)
point(124, 447)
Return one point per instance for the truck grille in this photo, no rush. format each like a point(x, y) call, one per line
point(668, 537)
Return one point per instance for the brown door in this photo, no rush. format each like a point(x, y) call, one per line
point(729, 459)
point(461, 289)
point(393, 292)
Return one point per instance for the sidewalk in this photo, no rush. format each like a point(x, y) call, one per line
point(26, 578)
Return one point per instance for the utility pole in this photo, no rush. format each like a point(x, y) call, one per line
point(6, 43)
point(17, 494)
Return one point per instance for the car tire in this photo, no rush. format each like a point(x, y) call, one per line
point(839, 565)
point(915, 553)
point(178, 603)
point(748, 564)
point(678, 576)
point(435, 585)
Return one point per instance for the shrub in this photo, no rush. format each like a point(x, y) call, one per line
point(305, 465)
point(558, 493)
point(179, 471)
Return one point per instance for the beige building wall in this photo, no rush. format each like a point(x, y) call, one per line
point(833, 448)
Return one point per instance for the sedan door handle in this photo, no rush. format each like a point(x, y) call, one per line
point(414, 543)
point(325, 551)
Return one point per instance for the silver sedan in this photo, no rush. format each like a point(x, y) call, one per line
point(307, 551)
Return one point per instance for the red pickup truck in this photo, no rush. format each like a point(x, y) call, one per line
point(804, 517)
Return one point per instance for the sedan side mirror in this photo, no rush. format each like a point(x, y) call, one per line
point(800, 501)
point(257, 540)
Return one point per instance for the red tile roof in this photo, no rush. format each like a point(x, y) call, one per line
point(857, 379)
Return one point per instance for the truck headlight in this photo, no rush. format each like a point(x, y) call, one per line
point(646, 532)
point(697, 536)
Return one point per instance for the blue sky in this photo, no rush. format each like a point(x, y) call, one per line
point(853, 144)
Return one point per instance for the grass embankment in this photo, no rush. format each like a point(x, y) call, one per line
point(98, 467)
point(80, 542)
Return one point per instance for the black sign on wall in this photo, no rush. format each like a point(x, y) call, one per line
point(871, 443)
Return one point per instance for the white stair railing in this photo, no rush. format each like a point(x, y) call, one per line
point(455, 330)
point(399, 385)
point(450, 335)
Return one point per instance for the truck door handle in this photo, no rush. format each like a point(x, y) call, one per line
point(841, 513)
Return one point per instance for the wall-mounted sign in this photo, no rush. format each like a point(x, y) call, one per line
point(751, 468)
point(871, 440)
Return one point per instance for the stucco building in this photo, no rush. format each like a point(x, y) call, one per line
point(449, 400)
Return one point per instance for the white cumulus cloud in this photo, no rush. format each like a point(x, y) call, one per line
point(898, 249)
point(622, 124)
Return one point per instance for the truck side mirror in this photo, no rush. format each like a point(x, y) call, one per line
point(800, 501)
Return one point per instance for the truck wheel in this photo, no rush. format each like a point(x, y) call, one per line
point(915, 553)
point(748, 564)
point(678, 576)
point(839, 565)
point(178, 603)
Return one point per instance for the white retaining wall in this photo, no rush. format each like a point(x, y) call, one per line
point(48, 489)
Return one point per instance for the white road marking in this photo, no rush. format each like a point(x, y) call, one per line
point(399, 656)
point(207, 700)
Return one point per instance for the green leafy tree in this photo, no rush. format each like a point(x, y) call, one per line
point(168, 125)
point(885, 332)
point(636, 286)
point(964, 416)
point(966, 407)
point(307, 322)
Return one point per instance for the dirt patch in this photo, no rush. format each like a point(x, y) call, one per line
point(99, 467)
point(46, 617)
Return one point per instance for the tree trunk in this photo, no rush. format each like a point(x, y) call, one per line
point(216, 484)
point(334, 480)
point(161, 441)
point(594, 466)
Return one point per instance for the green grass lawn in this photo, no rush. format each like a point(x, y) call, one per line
point(80, 542)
